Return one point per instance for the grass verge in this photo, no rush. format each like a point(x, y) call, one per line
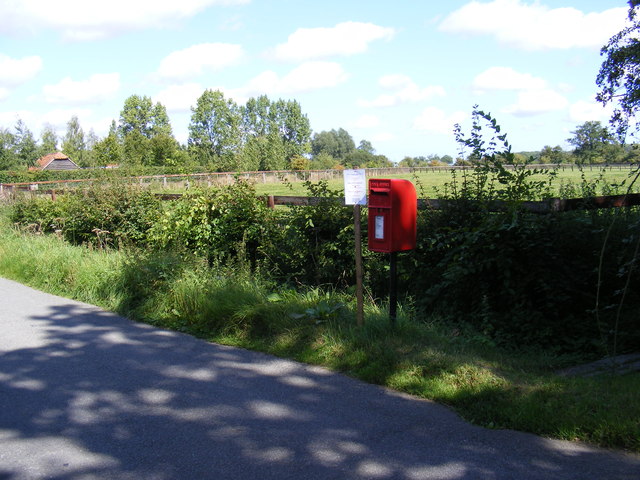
point(485, 385)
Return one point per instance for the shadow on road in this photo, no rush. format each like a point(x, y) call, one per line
point(91, 395)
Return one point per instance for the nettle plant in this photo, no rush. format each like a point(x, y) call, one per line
point(495, 172)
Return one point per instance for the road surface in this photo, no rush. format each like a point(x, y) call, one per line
point(85, 394)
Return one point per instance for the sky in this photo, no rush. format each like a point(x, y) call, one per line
point(397, 73)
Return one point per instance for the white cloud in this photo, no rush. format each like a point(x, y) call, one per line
point(9, 119)
point(304, 78)
point(367, 121)
point(14, 72)
point(435, 120)
point(403, 90)
point(536, 102)
point(534, 26)
point(348, 38)
point(84, 20)
point(583, 111)
point(58, 118)
point(506, 78)
point(97, 88)
point(180, 98)
point(193, 61)
point(4, 94)
point(314, 76)
point(383, 137)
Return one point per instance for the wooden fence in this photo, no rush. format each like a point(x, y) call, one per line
point(544, 206)
point(267, 177)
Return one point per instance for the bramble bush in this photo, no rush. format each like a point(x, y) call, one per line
point(520, 278)
point(216, 223)
point(104, 216)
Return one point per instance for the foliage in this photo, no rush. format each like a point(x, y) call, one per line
point(102, 217)
point(140, 114)
point(619, 75)
point(48, 140)
point(108, 151)
point(314, 244)
point(214, 131)
point(520, 278)
point(73, 142)
point(145, 132)
point(594, 144)
point(274, 133)
point(337, 143)
point(215, 223)
point(429, 161)
point(496, 175)
point(24, 144)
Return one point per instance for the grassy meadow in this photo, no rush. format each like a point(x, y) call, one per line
point(568, 181)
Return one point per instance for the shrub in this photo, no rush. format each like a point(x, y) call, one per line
point(102, 216)
point(314, 244)
point(216, 223)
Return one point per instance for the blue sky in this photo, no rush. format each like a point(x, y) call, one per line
point(397, 73)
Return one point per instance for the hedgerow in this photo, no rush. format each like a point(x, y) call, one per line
point(565, 281)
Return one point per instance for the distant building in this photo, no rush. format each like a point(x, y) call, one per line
point(54, 161)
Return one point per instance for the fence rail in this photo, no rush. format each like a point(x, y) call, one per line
point(273, 176)
point(544, 206)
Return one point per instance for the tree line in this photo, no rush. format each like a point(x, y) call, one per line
point(223, 136)
point(593, 143)
point(260, 135)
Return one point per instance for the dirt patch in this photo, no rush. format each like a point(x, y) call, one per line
point(619, 365)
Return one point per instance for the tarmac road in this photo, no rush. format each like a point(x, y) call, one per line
point(85, 394)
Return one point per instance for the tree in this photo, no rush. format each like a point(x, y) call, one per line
point(294, 128)
point(24, 145)
point(429, 161)
point(108, 151)
point(142, 115)
point(274, 133)
point(594, 144)
point(366, 146)
point(553, 155)
point(214, 131)
point(323, 161)
point(73, 142)
point(143, 127)
point(619, 75)
point(48, 140)
point(263, 148)
point(8, 157)
point(337, 143)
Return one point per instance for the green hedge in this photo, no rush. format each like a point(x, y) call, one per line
point(565, 281)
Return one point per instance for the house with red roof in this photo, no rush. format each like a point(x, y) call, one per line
point(54, 161)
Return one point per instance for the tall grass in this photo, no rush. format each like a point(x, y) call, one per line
point(421, 356)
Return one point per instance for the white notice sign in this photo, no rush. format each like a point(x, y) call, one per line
point(355, 187)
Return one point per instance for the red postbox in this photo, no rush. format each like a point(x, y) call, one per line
point(393, 210)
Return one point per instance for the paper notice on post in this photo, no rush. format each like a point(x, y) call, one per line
point(355, 187)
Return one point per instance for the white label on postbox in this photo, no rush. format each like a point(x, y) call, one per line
point(379, 233)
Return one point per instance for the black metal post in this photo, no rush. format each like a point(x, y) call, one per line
point(393, 286)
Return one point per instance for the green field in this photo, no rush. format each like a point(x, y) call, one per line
point(430, 182)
